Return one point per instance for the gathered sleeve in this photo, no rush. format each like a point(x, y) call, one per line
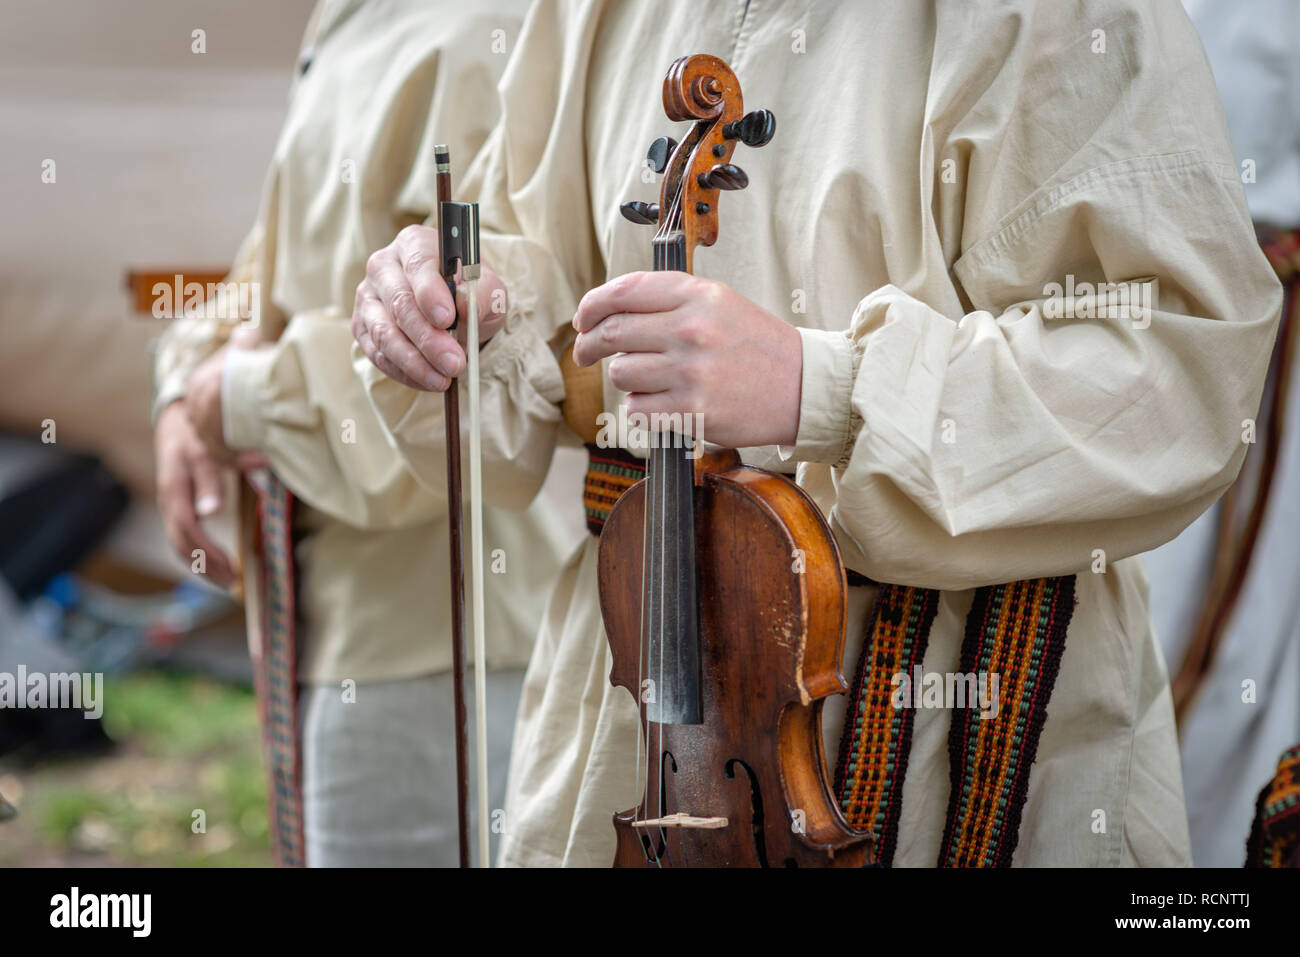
point(1042, 428)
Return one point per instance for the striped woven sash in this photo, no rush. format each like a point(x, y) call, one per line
point(1015, 631)
point(877, 736)
point(1275, 833)
point(610, 473)
point(275, 670)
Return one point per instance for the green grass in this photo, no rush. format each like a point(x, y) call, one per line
point(184, 745)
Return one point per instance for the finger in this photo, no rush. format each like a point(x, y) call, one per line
point(418, 250)
point(394, 354)
point(216, 565)
point(636, 292)
point(389, 283)
point(176, 504)
point(406, 278)
point(643, 373)
point(660, 404)
point(438, 346)
point(380, 362)
point(176, 501)
point(433, 380)
point(622, 332)
point(208, 490)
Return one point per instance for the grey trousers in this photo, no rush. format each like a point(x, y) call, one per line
point(379, 773)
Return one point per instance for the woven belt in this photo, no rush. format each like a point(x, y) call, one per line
point(610, 473)
point(1275, 834)
point(276, 671)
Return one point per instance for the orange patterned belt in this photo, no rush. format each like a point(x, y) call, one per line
point(610, 473)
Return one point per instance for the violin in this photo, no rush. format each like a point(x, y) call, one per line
point(721, 587)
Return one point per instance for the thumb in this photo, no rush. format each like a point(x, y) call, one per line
point(208, 491)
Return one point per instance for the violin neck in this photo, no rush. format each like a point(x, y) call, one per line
point(671, 615)
point(670, 253)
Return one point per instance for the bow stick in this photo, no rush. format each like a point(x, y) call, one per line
point(458, 242)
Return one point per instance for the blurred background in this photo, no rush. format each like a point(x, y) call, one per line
point(158, 154)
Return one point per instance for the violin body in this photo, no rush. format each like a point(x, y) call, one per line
point(748, 786)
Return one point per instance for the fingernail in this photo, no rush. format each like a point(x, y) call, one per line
point(434, 382)
point(207, 504)
point(441, 316)
point(449, 363)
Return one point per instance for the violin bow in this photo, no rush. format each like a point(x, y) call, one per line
point(458, 245)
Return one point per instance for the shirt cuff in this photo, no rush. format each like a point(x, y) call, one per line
point(825, 399)
point(244, 375)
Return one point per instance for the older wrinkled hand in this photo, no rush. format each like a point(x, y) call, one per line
point(189, 491)
point(403, 312)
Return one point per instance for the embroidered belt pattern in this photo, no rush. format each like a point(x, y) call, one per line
point(610, 473)
point(877, 736)
point(1017, 632)
point(276, 673)
point(1275, 833)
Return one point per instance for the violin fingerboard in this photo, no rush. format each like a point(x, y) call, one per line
point(671, 614)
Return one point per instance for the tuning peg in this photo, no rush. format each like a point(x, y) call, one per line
point(724, 176)
point(660, 150)
point(753, 129)
point(643, 214)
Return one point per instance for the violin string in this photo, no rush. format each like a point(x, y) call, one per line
point(654, 549)
point(643, 740)
point(642, 727)
point(670, 490)
point(652, 702)
point(651, 544)
point(663, 621)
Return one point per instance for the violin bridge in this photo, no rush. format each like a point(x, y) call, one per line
point(684, 820)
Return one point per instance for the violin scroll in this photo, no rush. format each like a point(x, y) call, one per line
point(704, 90)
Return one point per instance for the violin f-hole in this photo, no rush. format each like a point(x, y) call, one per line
point(757, 819)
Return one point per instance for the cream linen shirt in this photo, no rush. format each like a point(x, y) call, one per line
point(387, 79)
point(935, 166)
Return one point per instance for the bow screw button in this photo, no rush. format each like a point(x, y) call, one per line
point(643, 214)
point(657, 156)
point(753, 129)
point(724, 176)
